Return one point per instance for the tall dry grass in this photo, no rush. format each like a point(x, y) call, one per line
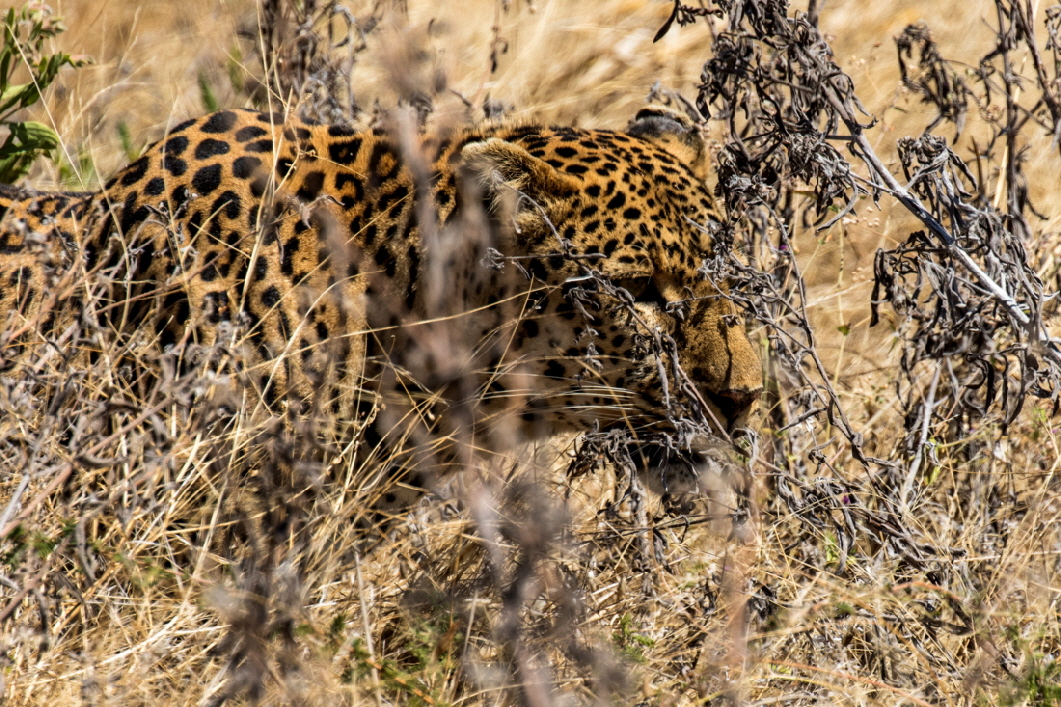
point(180, 610)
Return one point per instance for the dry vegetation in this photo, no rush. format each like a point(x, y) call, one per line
point(157, 551)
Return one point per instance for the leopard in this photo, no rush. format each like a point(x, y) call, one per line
point(583, 264)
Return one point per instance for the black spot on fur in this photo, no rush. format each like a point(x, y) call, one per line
point(244, 167)
point(555, 370)
point(23, 275)
point(344, 180)
point(177, 301)
point(270, 297)
point(155, 186)
point(376, 175)
point(220, 122)
point(391, 198)
point(207, 179)
point(287, 263)
point(180, 196)
point(175, 146)
point(269, 235)
point(174, 165)
point(228, 203)
point(134, 172)
point(311, 186)
point(258, 185)
point(211, 148)
point(145, 257)
point(6, 247)
point(183, 126)
point(250, 132)
point(284, 167)
point(130, 215)
point(265, 145)
point(209, 272)
point(195, 223)
point(368, 235)
point(344, 152)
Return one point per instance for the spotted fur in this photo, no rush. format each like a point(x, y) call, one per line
point(316, 250)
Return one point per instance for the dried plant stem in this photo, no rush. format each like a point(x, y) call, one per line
point(366, 595)
point(16, 497)
point(914, 206)
point(915, 465)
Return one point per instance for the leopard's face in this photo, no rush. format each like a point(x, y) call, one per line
point(632, 329)
point(306, 248)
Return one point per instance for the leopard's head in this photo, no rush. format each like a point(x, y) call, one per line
point(628, 320)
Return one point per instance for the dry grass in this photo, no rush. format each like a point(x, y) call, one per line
point(176, 594)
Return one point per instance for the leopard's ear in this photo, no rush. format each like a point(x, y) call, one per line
point(500, 163)
point(675, 133)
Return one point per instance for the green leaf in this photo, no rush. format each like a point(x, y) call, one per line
point(25, 142)
point(5, 65)
point(15, 95)
point(18, 49)
point(206, 93)
point(126, 139)
point(37, 136)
